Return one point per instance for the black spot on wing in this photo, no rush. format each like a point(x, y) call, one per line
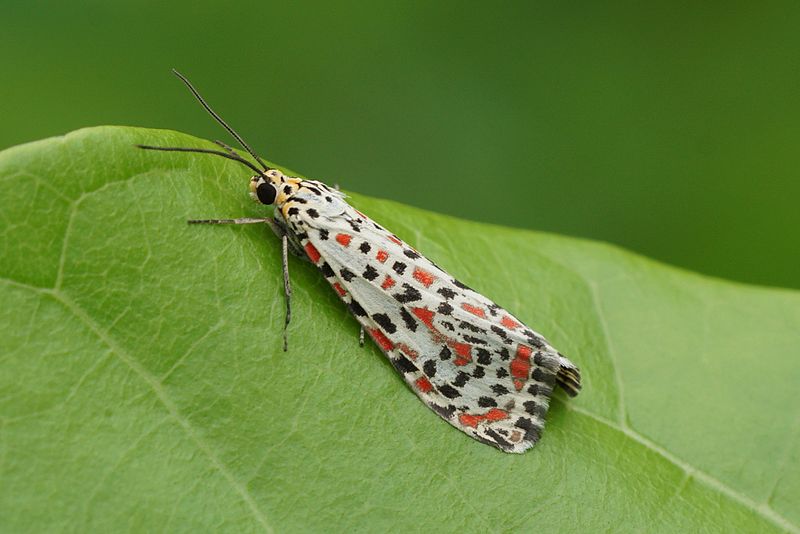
point(408, 320)
point(403, 364)
point(533, 339)
point(484, 356)
point(444, 411)
point(499, 331)
point(449, 391)
point(459, 284)
point(471, 327)
point(356, 309)
point(370, 273)
point(546, 390)
point(326, 270)
point(501, 441)
point(444, 308)
point(486, 402)
point(461, 379)
point(384, 322)
point(534, 408)
point(409, 294)
point(541, 376)
point(532, 430)
point(446, 293)
point(499, 389)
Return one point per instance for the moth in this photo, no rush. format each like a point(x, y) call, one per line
point(472, 362)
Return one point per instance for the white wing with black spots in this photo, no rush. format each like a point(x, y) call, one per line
point(472, 362)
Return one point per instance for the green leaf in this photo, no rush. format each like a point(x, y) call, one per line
point(143, 384)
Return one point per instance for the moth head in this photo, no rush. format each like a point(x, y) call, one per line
point(264, 186)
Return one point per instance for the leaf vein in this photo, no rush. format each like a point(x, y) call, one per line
point(168, 404)
point(761, 509)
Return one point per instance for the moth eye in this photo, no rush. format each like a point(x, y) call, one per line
point(265, 193)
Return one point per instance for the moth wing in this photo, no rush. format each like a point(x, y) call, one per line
point(492, 383)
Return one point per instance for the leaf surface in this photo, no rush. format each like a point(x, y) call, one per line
point(143, 385)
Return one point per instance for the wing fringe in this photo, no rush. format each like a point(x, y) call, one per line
point(569, 377)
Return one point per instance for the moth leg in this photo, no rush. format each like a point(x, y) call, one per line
point(361, 337)
point(242, 220)
point(280, 231)
point(287, 290)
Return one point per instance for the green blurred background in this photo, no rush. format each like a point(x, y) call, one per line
point(670, 128)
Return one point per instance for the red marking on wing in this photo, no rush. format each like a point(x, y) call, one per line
point(394, 240)
point(469, 419)
point(496, 414)
point(339, 289)
point(423, 277)
point(423, 384)
point(425, 315)
point(521, 366)
point(408, 351)
point(382, 256)
point(509, 323)
point(381, 339)
point(344, 239)
point(360, 213)
point(474, 310)
point(463, 349)
point(313, 253)
point(388, 282)
point(464, 352)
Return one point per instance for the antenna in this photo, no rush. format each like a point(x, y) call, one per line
point(230, 155)
point(219, 119)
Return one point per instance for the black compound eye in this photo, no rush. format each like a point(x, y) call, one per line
point(265, 193)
